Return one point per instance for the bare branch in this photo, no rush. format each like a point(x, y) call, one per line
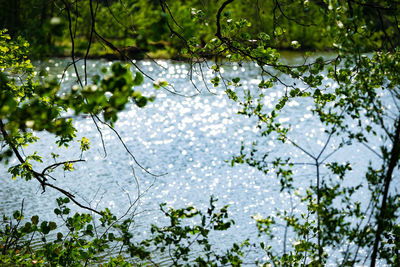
point(127, 149)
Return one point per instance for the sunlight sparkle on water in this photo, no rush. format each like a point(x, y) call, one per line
point(193, 140)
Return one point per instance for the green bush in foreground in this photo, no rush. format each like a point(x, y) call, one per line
point(79, 241)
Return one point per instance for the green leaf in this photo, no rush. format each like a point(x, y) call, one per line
point(236, 80)
point(35, 220)
point(52, 225)
point(141, 101)
point(138, 79)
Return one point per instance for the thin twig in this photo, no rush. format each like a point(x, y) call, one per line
point(127, 149)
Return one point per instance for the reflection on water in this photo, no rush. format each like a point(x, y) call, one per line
point(192, 139)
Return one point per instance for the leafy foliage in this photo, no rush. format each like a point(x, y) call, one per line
point(362, 81)
point(179, 239)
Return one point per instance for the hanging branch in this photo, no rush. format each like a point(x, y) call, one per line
point(218, 33)
point(393, 161)
point(127, 149)
point(92, 27)
point(40, 177)
point(291, 19)
point(67, 8)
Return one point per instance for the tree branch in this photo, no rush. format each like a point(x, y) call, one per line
point(393, 161)
point(218, 33)
point(41, 176)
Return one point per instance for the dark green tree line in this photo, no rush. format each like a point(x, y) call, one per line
point(140, 26)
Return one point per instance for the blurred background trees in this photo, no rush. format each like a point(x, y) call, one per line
point(141, 26)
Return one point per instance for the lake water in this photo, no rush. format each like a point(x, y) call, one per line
point(191, 140)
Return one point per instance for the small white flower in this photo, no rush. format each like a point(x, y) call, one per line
point(29, 124)
point(257, 217)
point(296, 243)
point(55, 20)
point(295, 44)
